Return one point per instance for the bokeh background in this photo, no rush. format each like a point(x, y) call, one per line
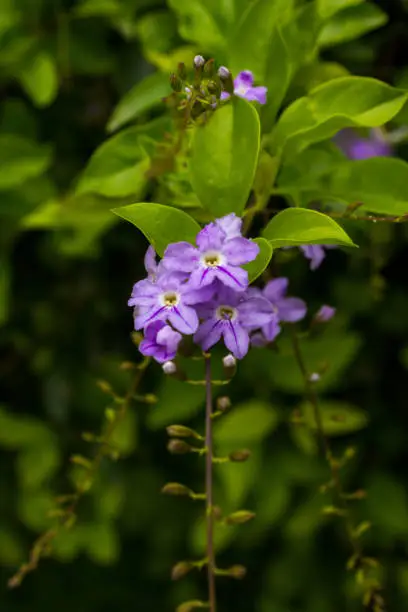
point(70, 73)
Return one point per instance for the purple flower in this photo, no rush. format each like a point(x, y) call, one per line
point(232, 316)
point(150, 263)
point(287, 309)
point(243, 87)
point(316, 253)
point(216, 257)
point(231, 225)
point(167, 299)
point(324, 314)
point(160, 342)
point(356, 147)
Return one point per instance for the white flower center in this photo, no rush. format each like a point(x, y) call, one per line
point(241, 91)
point(226, 313)
point(170, 299)
point(212, 259)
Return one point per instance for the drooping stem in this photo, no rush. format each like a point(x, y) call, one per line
point(209, 486)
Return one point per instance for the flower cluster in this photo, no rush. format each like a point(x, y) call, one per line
point(204, 291)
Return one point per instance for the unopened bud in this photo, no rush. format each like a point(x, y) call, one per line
point(175, 82)
point(181, 569)
point(175, 488)
point(223, 73)
point(237, 571)
point(324, 314)
point(127, 365)
point(181, 431)
point(178, 447)
point(209, 68)
point(169, 367)
point(150, 398)
point(239, 517)
point(314, 377)
point(189, 606)
point(217, 513)
point(229, 361)
point(223, 403)
point(240, 456)
point(197, 109)
point(199, 61)
point(214, 88)
point(105, 387)
point(181, 71)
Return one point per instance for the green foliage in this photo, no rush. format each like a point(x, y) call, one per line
point(161, 225)
point(256, 267)
point(351, 23)
point(296, 226)
point(224, 158)
point(338, 418)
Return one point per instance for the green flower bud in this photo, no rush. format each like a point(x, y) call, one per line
point(176, 83)
point(181, 569)
point(178, 447)
point(239, 517)
point(240, 456)
point(175, 488)
point(180, 431)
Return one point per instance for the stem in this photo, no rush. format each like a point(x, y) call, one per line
point(209, 486)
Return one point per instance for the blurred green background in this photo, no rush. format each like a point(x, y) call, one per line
point(70, 73)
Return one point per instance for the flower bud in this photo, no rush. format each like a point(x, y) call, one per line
point(314, 377)
point(175, 82)
point(181, 71)
point(240, 456)
point(237, 571)
point(324, 314)
point(178, 447)
point(223, 73)
point(214, 88)
point(189, 606)
point(223, 403)
point(199, 61)
point(180, 431)
point(229, 361)
point(169, 367)
point(175, 488)
point(181, 569)
point(150, 398)
point(209, 68)
point(239, 517)
point(105, 387)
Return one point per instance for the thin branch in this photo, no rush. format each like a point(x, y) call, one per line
point(209, 487)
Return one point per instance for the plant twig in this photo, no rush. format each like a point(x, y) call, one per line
point(209, 487)
point(66, 516)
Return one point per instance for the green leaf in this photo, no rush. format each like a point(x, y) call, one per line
point(20, 160)
point(246, 424)
point(291, 45)
point(254, 31)
point(197, 23)
point(118, 167)
point(352, 23)
point(338, 418)
point(327, 8)
point(160, 224)
point(384, 492)
point(101, 542)
point(169, 409)
point(224, 157)
point(125, 436)
point(255, 268)
point(37, 464)
point(296, 226)
point(39, 78)
point(378, 183)
point(143, 96)
point(343, 102)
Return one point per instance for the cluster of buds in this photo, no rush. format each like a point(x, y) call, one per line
point(205, 89)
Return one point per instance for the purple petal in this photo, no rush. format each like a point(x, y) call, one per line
point(202, 277)
point(232, 276)
point(144, 315)
point(236, 339)
point(210, 238)
point(153, 329)
point(276, 289)
point(291, 310)
point(180, 256)
point(272, 329)
point(224, 95)
point(256, 312)
point(168, 338)
point(184, 319)
point(231, 225)
point(258, 340)
point(150, 262)
point(240, 251)
point(197, 296)
point(208, 334)
point(314, 252)
point(244, 79)
point(256, 94)
point(325, 313)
